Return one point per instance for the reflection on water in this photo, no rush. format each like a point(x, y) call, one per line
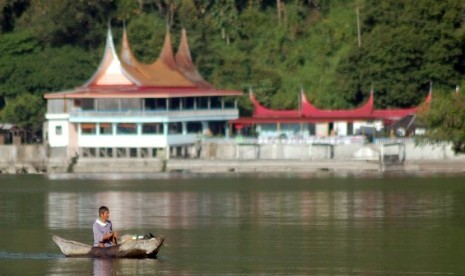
point(191, 209)
point(105, 267)
point(240, 226)
point(102, 267)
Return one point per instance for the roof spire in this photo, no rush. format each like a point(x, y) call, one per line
point(166, 54)
point(185, 65)
point(126, 53)
point(110, 71)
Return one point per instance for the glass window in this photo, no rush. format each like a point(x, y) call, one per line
point(108, 104)
point(175, 128)
point(202, 103)
point(87, 104)
point(133, 152)
point(311, 129)
point(188, 103)
point(105, 129)
point(350, 128)
point(215, 102)
point(152, 128)
point(194, 127)
point(88, 129)
point(58, 130)
point(126, 128)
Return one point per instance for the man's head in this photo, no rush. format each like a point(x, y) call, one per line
point(104, 213)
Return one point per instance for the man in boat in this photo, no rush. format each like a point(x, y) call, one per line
point(103, 229)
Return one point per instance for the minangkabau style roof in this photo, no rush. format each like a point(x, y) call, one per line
point(310, 113)
point(124, 76)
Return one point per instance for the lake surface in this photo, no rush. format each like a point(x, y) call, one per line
point(240, 225)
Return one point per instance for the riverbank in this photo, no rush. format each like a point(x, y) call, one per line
point(308, 159)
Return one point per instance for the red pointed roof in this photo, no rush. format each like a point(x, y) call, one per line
point(186, 66)
point(261, 111)
point(309, 112)
point(397, 113)
point(363, 111)
point(126, 77)
point(166, 54)
point(161, 73)
point(110, 71)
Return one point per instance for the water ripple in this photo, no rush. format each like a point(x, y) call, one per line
point(36, 256)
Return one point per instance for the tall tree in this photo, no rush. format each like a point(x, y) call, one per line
point(406, 45)
point(10, 11)
point(59, 22)
point(445, 120)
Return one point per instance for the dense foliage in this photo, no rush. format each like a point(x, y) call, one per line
point(444, 119)
point(275, 47)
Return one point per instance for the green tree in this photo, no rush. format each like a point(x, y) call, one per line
point(146, 34)
point(445, 120)
point(25, 66)
point(406, 44)
point(27, 111)
point(10, 11)
point(80, 23)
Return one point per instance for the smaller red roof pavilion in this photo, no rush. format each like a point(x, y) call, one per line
point(310, 113)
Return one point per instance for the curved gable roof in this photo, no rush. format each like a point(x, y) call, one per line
point(110, 71)
point(161, 73)
point(186, 66)
point(261, 111)
point(309, 110)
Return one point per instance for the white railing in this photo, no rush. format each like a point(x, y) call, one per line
point(360, 140)
point(151, 114)
point(395, 140)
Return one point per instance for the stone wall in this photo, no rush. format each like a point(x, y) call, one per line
point(407, 152)
point(23, 158)
point(39, 158)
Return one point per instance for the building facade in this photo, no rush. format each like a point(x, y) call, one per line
point(134, 109)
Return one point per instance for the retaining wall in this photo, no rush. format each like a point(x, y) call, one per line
point(39, 158)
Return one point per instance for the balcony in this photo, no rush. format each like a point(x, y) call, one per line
point(154, 116)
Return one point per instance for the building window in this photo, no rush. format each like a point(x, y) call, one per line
point(58, 130)
point(152, 128)
point(105, 129)
point(311, 129)
point(194, 127)
point(126, 128)
point(202, 103)
point(175, 104)
point(188, 103)
point(215, 102)
point(175, 128)
point(133, 152)
point(350, 128)
point(87, 104)
point(88, 129)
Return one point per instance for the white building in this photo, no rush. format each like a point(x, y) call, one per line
point(132, 109)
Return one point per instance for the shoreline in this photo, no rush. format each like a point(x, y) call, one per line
point(315, 160)
point(176, 168)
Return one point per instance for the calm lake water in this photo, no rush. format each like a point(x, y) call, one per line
point(240, 225)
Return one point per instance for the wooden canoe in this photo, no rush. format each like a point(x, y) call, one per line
point(129, 248)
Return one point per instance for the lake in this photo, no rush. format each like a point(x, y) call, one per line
point(239, 224)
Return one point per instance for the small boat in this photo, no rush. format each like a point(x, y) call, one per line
point(128, 247)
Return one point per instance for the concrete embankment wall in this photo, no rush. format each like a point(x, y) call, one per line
point(321, 158)
point(24, 158)
point(277, 152)
point(409, 152)
point(210, 157)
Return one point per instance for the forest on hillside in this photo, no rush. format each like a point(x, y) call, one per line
point(334, 50)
